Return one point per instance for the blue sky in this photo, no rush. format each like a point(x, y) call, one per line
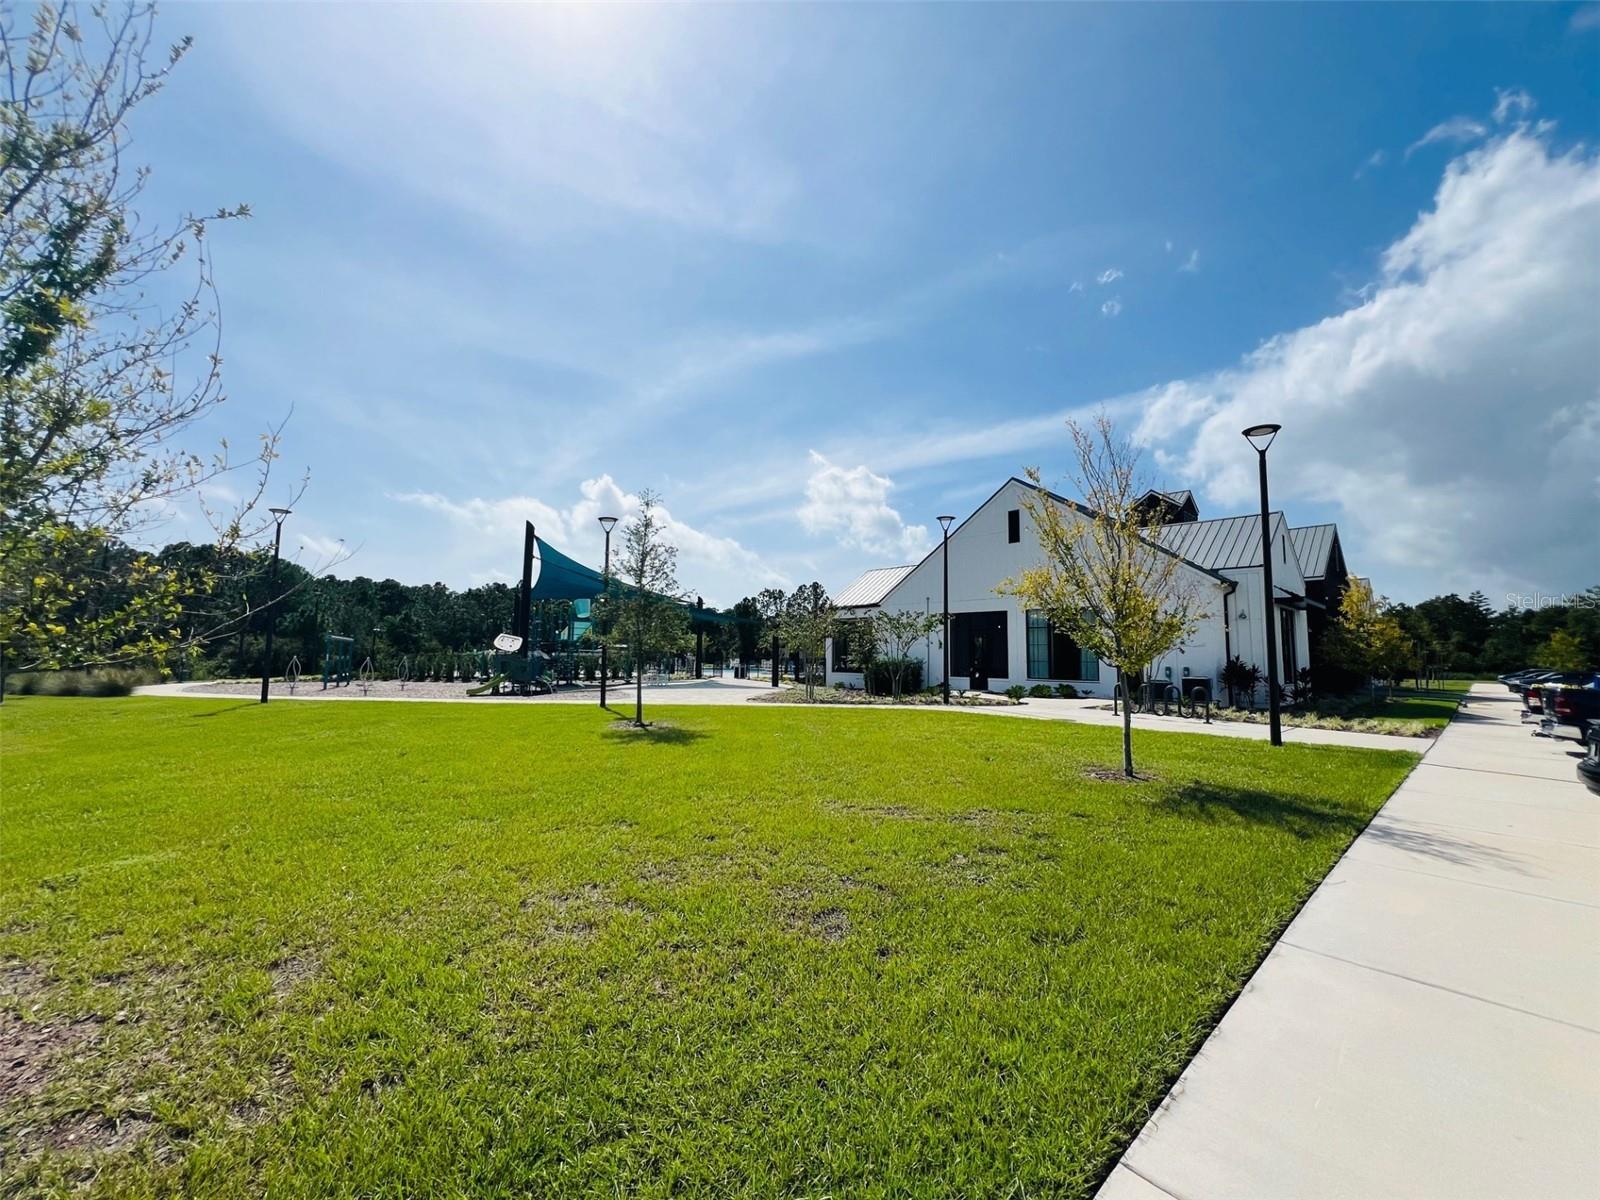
point(818, 274)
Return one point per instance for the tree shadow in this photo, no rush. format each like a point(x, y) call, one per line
point(217, 712)
point(1444, 847)
point(1211, 802)
point(652, 734)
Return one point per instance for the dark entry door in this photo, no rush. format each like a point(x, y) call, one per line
point(978, 673)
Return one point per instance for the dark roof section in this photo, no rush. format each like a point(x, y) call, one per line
point(1313, 544)
point(1168, 507)
point(869, 589)
point(1159, 544)
point(1218, 545)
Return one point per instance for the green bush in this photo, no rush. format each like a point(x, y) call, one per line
point(1066, 691)
point(879, 676)
point(108, 681)
point(1042, 691)
point(1016, 691)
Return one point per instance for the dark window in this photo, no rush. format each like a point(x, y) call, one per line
point(843, 658)
point(1053, 654)
point(966, 630)
point(1014, 525)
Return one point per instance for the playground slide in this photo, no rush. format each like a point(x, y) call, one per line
point(483, 688)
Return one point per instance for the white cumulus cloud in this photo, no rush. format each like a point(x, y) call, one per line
point(1109, 275)
point(852, 503)
point(1111, 307)
point(1453, 414)
point(719, 567)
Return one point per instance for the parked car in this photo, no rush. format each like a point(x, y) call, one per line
point(1512, 678)
point(1568, 704)
point(1533, 701)
point(1589, 767)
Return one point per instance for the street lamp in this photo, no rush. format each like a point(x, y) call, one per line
point(278, 514)
point(1261, 437)
point(606, 523)
point(944, 523)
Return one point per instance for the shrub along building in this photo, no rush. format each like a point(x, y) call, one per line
point(995, 643)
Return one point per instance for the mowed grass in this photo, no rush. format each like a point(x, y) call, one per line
point(408, 949)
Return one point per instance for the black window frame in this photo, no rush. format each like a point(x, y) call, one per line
point(839, 656)
point(1057, 645)
point(1014, 526)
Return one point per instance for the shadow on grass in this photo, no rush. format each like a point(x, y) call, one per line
point(217, 712)
point(1209, 802)
point(655, 735)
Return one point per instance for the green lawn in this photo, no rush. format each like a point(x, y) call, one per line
point(350, 949)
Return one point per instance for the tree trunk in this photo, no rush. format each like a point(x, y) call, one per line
point(638, 676)
point(1127, 728)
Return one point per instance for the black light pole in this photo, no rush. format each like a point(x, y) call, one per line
point(699, 636)
point(278, 514)
point(944, 523)
point(1260, 436)
point(606, 523)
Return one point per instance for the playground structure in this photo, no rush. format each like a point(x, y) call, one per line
point(554, 614)
point(337, 651)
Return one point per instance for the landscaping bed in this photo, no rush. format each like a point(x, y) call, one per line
point(441, 949)
point(858, 696)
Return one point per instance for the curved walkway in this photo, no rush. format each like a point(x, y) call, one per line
point(729, 691)
point(1429, 1025)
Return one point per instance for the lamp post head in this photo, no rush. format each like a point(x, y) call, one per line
point(278, 514)
point(1260, 436)
point(944, 523)
point(606, 523)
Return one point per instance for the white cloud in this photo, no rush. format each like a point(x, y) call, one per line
point(1511, 102)
point(1192, 263)
point(1111, 307)
point(1587, 17)
point(1374, 160)
point(1077, 286)
point(718, 567)
point(1453, 415)
point(1109, 275)
point(1457, 129)
point(853, 504)
point(1169, 245)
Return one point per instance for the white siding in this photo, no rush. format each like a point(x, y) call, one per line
point(981, 558)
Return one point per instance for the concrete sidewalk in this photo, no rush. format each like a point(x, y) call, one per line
point(1429, 1026)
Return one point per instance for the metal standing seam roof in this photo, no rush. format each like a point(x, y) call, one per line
point(871, 587)
point(1312, 546)
point(1219, 544)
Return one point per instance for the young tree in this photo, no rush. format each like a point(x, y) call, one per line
point(809, 620)
point(895, 633)
point(1561, 652)
point(1105, 580)
point(1367, 639)
point(646, 608)
point(98, 379)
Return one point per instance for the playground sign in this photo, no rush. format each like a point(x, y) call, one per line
point(507, 643)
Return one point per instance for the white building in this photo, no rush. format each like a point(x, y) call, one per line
point(995, 643)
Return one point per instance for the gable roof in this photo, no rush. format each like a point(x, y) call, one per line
point(871, 587)
point(1313, 544)
point(1220, 544)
